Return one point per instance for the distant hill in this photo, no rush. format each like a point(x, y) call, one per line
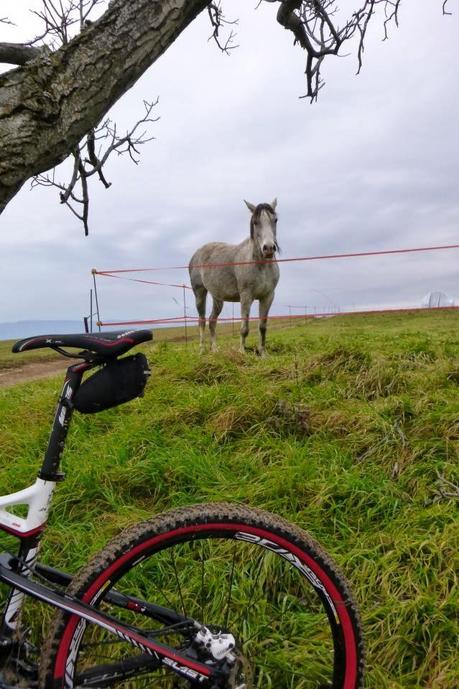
point(12, 331)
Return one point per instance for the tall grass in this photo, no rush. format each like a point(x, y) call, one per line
point(347, 429)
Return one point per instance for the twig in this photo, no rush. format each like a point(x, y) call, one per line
point(88, 162)
point(315, 28)
point(218, 20)
point(446, 490)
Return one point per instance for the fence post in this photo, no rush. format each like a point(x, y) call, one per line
point(90, 310)
point(94, 272)
point(184, 315)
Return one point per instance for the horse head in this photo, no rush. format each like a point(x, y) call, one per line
point(263, 225)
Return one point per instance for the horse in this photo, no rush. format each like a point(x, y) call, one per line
point(238, 272)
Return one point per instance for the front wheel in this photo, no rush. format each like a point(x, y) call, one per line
point(196, 577)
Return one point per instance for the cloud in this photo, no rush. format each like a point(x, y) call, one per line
point(373, 165)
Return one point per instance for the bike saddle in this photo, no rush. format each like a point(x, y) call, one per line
point(110, 344)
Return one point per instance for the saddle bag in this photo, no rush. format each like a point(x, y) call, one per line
point(117, 382)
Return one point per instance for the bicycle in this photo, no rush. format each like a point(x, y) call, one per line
point(218, 595)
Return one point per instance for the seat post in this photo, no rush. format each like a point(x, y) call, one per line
point(62, 417)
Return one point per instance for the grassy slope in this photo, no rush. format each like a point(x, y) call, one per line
point(8, 360)
point(343, 429)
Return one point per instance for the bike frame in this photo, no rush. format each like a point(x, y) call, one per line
point(16, 571)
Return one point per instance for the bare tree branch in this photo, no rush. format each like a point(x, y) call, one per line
point(53, 106)
point(391, 11)
point(314, 25)
point(59, 19)
point(89, 162)
point(218, 20)
point(17, 53)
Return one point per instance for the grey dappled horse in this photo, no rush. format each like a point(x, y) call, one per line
point(243, 283)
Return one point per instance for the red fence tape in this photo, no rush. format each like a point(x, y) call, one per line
point(325, 314)
point(282, 260)
point(145, 282)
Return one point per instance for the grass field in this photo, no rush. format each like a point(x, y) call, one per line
point(349, 428)
point(8, 360)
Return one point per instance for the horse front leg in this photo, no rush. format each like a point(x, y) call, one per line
point(246, 303)
point(265, 305)
point(216, 311)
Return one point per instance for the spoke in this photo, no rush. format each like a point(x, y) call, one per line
point(161, 590)
point(230, 589)
point(293, 673)
point(251, 602)
point(202, 580)
point(178, 583)
point(268, 625)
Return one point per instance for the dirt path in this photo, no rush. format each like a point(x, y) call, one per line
point(31, 371)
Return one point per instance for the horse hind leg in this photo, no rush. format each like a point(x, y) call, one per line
point(201, 297)
point(216, 311)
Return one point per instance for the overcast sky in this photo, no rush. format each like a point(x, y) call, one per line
point(373, 165)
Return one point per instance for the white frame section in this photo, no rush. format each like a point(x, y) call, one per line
point(37, 497)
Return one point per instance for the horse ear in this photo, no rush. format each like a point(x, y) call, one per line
point(250, 206)
point(274, 204)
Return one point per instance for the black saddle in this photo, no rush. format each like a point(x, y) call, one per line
point(111, 344)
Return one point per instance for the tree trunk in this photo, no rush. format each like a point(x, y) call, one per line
point(49, 104)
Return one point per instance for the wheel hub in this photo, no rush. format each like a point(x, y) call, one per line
point(221, 647)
